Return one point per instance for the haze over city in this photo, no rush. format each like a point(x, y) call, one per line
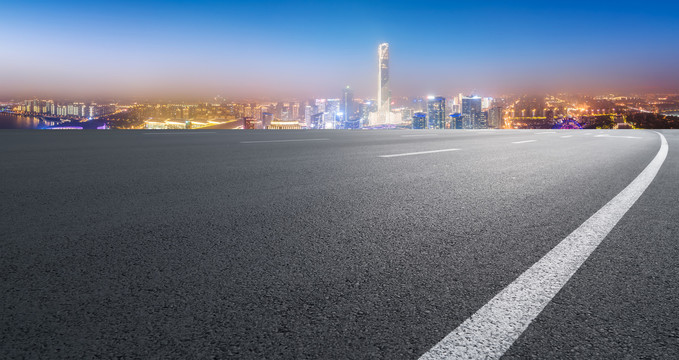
point(432, 180)
point(303, 49)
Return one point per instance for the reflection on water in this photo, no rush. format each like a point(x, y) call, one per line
point(12, 121)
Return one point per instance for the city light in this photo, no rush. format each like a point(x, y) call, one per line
point(460, 111)
point(299, 179)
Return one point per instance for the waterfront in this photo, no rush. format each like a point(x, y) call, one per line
point(14, 121)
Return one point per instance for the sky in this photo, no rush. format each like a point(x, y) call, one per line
point(301, 49)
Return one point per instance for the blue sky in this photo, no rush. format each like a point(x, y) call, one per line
point(307, 48)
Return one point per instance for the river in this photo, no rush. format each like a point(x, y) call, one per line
point(14, 121)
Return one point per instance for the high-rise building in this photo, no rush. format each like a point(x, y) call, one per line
point(495, 117)
point(96, 111)
point(318, 121)
point(267, 119)
point(436, 112)
point(419, 120)
point(486, 102)
point(347, 105)
point(456, 121)
point(454, 105)
point(483, 120)
point(294, 111)
point(278, 110)
point(307, 116)
point(471, 113)
point(77, 109)
point(364, 111)
point(249, 123)
point(320, 105)
point(383, 92)
point(407, 113)
point(332, 108)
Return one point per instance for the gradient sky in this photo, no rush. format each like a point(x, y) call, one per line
point(314, 48)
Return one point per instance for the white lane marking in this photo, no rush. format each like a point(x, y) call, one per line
point(587, 134)
point(418, 153)
point(277, 141)
point(523, 142)
point(490, 332)
point(546, 132)
point(617, 136)
point(419, 135)
point(180, 133)
point(566, 136)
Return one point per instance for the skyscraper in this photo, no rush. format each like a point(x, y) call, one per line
point(267, 119)
point(436, 112)
point(383, 92)
point(318, 121)
point(332, 109)
point(249, 123)
point(406, 113)
point(294, 111)
point(456, 121)
point(347, 105)
point(365, 110)
point(307, 115)
point(471, 113)
point(495, 117)
point(419, 120)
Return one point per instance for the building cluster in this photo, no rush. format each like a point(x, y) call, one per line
point(432, 112)
point(65, 110)
point(348, 112)
point(344, 112)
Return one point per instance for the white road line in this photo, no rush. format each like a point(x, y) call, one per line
point(490, 332)
point(546, 132)
point(418, 135)
point(277, 141)
point(417, 153)
point(617, 136)
point(180, 133)
point(566, 136)
point(523, 142)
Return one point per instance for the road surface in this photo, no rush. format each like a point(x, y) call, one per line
point(333, 244)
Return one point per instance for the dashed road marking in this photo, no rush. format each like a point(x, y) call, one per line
point(618, 136)
point(278, 141)
point(523, 142)
point(489, 332)
point(546, 132)
point(418, 153)
point(566, 136)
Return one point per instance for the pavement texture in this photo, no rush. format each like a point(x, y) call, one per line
point(233, 244)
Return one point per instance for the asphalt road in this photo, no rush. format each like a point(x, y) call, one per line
point(312, 244)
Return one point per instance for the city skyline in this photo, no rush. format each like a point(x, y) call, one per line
point(205, 49)
point(352, 179)
point(383, 112)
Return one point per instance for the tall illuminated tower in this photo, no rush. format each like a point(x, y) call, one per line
point(347, 105)
point(471, 112)
point(436, 112)
point(383, 93)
